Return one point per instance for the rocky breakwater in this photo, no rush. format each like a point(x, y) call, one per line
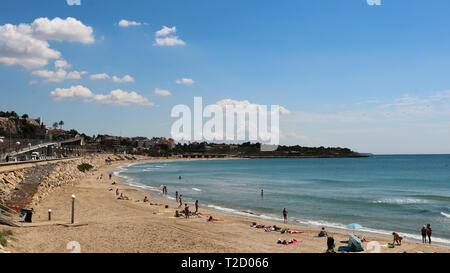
point(9, 182)
point(27, 187)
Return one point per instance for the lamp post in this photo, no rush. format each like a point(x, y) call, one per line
point(73, 209)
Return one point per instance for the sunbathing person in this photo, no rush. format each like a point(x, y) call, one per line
point(120, 197)
point(323, 233)
point(397, 238)
point(145, 199)
point(177, 214)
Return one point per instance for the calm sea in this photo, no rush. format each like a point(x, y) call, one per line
point(383, 194)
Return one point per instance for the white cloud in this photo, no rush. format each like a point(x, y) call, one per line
point(115, 97)
point(169, 41)
point(246, 103)
point(185, 81)
point(162, 92)
point(75, 75)
point(69, 29)
point(165, 31)
point(126, 23)
point(27, 44)
point(124, 98)
point(124, 79)
point(62, 64)
point(19, 47)
point(74, 2)
point(102, 76)
point(59, 75)
point(74, 92)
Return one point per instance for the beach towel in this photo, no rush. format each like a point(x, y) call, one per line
point(295, 232)
point(292, 243)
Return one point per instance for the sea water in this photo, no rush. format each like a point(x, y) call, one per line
point(382, 193)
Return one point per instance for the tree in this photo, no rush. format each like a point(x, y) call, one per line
point(61, 124)
point(25, 116)
point(55, 125)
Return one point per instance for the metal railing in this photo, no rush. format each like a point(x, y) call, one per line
point(8, 216)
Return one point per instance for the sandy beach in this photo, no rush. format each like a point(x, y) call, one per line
point(107, 225)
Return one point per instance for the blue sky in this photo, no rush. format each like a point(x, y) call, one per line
point(371, 78)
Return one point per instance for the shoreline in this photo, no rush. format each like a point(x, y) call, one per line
point(108, 225)
point(256, 215)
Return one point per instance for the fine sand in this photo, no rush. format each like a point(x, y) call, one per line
point(105, 224)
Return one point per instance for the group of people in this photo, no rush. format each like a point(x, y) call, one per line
point(187, 211)
point(426, 232)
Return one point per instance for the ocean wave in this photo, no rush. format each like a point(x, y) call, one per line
point(445, 214)
point(243, 213)
point(400, 201)
point(196, 189)
point(433, 197)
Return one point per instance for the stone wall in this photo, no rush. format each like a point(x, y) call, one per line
point(31, 185)
point(9, 181)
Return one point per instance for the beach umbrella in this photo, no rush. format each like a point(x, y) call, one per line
point(354, 226)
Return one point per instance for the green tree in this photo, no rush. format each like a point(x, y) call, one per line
point(61, 124)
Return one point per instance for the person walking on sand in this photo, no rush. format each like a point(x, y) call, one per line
point(181, 200)
point(196, 206)
point(424, 234)
point(429, 233)
point(285, 212)
point(110, 176)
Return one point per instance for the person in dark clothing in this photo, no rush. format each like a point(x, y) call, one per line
point(429, 233)
point(330, 244)
point(424, 234)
